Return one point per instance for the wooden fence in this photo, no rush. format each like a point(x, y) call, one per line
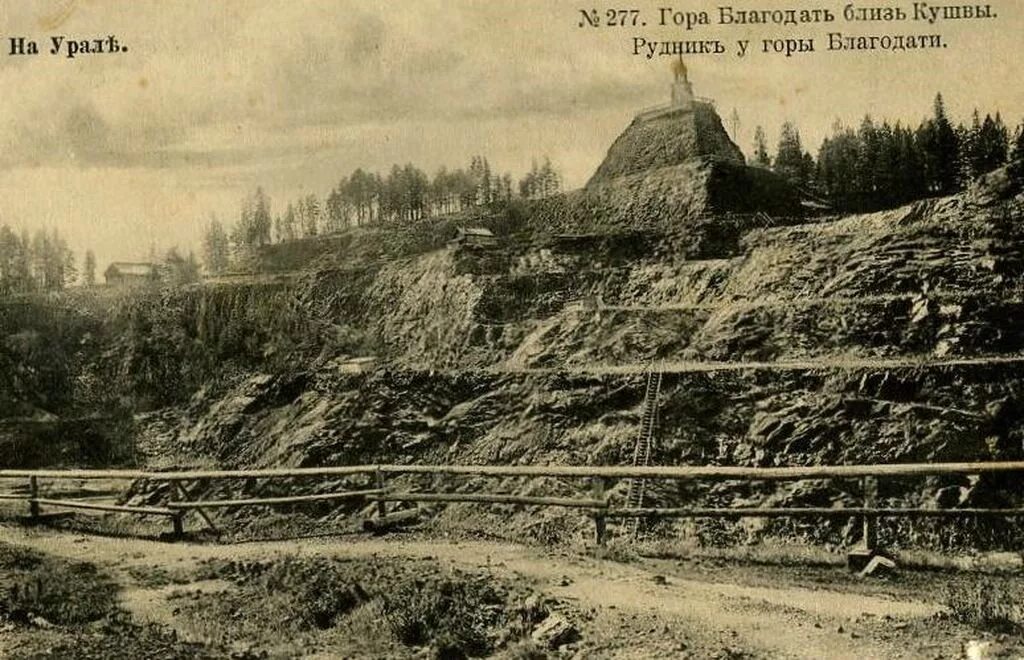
point(597, 502)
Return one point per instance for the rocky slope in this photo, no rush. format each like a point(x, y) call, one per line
point(891, 337)
point(880, 338)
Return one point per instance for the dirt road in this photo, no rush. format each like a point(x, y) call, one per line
point(636, 610)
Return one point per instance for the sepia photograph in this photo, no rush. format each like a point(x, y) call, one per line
point(444, 329)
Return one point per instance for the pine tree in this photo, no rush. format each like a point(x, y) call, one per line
point(761, 157)
point(940, 150)
point(486, 183)
point(1016, 155)
point(336, 210)
point(52, 264)
point(910, 176)
point(506, 186)
point(23, 264)
point(69, 269)
point(216, 248)
point(789, 160)
point(89, 269)
point(242, 233)
point(260, 224)
point(867, 165)
point(289, 224)
point(529, 184)
point(808, 171)
point(837, 165)
point(550, 179)
point(1017, 148)
point(970, 139)
point(182, 270)
point(309, 210)
point(992, 148)
point(10, 249)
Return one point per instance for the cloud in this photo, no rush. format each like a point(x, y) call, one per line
point(282, 69)
point(228, 85)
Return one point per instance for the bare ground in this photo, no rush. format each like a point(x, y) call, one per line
point(641, 609)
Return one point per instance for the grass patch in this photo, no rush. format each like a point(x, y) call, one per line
point(986, 604)
point(120, 638)
point(766, 553)
point(619, 549)
point(383, 607)
point(61, 592)
point(82, 618)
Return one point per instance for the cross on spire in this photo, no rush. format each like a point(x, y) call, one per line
point(679, 69)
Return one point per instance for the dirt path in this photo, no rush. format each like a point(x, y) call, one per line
point(789, 621)
point(787, 302)
point(823, 363)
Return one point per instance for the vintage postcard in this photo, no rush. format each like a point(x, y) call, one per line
point(527, 329)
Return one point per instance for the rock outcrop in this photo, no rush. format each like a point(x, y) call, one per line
point(668, 137)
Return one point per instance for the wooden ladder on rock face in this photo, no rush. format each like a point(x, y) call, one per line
point(642, 451)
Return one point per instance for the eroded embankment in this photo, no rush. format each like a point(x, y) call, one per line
point(746, 418)
point(935, 279)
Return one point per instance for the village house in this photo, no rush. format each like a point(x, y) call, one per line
point(474, 237)
point(127, 274)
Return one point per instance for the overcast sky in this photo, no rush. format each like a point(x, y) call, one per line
point(122, 152)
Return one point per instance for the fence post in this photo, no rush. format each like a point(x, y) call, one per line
point(382, 505)
point(600, 522)
point(178, 529)
point(33, 504)
point(870, 485)
point(183, 495)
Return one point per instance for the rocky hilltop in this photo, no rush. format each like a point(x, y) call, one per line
point(665, 137)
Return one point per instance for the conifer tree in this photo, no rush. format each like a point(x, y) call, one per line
point(761, 157)
point(789, 160)
point(89, 269)
point(940, 150)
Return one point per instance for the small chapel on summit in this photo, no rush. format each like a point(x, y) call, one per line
point(682, 90)
point(684, 129)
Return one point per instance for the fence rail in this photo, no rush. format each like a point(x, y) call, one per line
point(598, 501)
point(681, 472)
point(96, 506)
point(272, 501)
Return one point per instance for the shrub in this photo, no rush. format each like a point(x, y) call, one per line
point(526, 649)
point(985, 604)
point(60, 592)
point(321, 591)
point(458, 614)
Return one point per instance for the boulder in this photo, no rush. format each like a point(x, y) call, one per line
point(555, 632)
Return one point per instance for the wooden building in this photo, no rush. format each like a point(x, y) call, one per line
point(123, 273)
